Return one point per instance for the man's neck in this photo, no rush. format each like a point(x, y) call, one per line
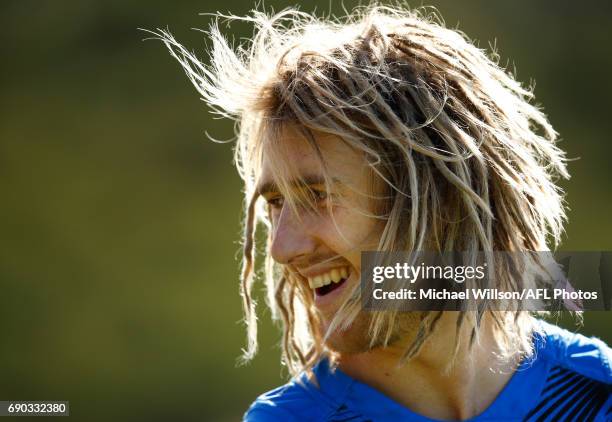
point(422, 385)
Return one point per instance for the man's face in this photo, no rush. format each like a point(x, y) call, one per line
point(324, 247)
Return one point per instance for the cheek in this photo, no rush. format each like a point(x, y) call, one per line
point(349, 232)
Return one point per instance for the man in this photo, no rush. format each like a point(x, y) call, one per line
point(390, 132)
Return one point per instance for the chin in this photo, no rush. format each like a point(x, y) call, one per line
point(357, 338)
point(354, 339)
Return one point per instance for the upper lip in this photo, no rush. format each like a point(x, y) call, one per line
point(310, 273)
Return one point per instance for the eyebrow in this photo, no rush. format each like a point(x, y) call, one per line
point(309, 180)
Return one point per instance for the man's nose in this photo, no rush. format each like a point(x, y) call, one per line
point(291, 238)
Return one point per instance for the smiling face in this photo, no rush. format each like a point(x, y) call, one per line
point(321, 245)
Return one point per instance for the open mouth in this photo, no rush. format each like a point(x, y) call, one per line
point(322, 291)
point(324, 284)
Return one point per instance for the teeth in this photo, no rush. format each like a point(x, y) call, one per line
point(334, 276)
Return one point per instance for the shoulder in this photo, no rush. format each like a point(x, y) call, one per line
point(588, 356)
point(577, 384)
point(301, 399)
point(281, 404)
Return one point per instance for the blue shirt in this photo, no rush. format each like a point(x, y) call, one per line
point(569, 378)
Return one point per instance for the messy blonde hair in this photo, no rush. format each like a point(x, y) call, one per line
point(470, 163)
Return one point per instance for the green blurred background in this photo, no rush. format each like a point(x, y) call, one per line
point(120, 220)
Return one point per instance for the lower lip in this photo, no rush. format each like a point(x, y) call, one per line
point(324, 302)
